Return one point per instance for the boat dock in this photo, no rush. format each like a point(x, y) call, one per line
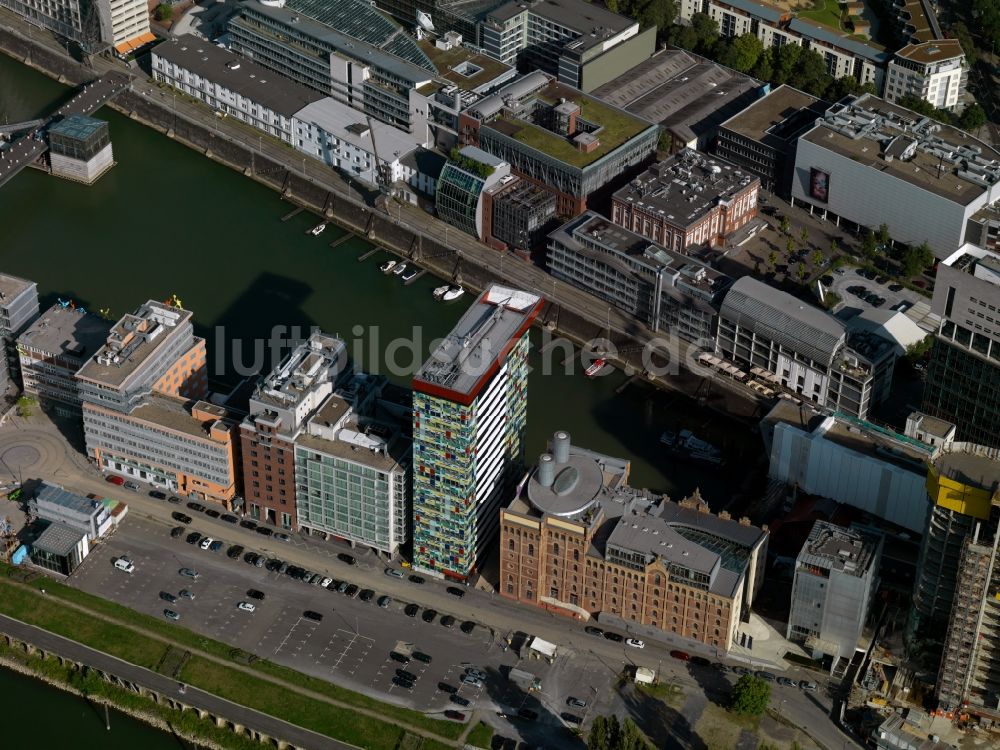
point(420, 273)
point(341, 240)
point(294, 212)
point(368, 253)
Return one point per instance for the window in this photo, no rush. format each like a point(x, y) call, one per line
point(531, 550)
point(510, 545)
point(576, 555)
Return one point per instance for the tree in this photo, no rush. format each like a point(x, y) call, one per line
point(973, 118)
point(706, 29)
point(834, 247)
point(809, 73)
point(784, 225)
point(790, 246)
point(916, 352)
point(961, 32)
point(804, 236)
point(924, 107)
point(684, 37)
point(772, 259)
point(917, 258)
point(987, 15)
point(764, 69)
point(883, 234)
point(817, 257)
point(750, 696)
point(163, 12)
point(666, 142)
point(742, 53)
point(608, 733)
point(801, 272)
point(612, 5)
point(24, 406)
point(868, 245)
point(785, 60)
point(658, 13)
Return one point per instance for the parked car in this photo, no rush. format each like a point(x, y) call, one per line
point(398, 657)
point(234, 552)
point(176, 531)
point(448, 621)
point(572, 719)
point(467, 627)
point(444, 687)
point(429, 615)
point(255, 594)
point(366, 595)
point(342, 587)
point(895, 287)
point(682, 655)
point(456, 715)
point(400, 682)
point(349, 559)
point(576, 702)
point(468, 679)
point(411, 610)
point(325, 581)
point(246, 606)
point(394, 572)
point(312, 615)
point(189, 573)
point(476, 672)
point(125, 564)
point(806, 685)
point(168, 597)
point(613, 636)
point(281, 536)
point(229, 518)
point(197, 507)
point(174, 499)
point(406, 675)
point(206, 542)
point(248, 523)
point(384, 601)
point(787, 682)
point(455, 591)
point(185, 594)
point(180, 517)
point(171, 615)
point(193, 538)
point(216, 545)
point(769, 676)
point(421, 656)
point(458, 699)
point(352, 590)
point(591, 630)
point(157, 495)
point(115, 479)
point(212, 513)
point(634, 643)
point(264, 530)
point(415, 578)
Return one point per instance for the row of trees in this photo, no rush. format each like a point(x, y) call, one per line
point(973, 118)
point(608, 733)
point(987, 15)
point(658, 13)
point(804, 69)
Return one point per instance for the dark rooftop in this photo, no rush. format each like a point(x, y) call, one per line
point(260, 85)
point(778, 118)
point(64, 331)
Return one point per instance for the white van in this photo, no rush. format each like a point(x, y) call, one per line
point(123, 563)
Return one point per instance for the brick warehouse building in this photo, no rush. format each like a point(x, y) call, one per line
point(688, 200)
point(577, 540)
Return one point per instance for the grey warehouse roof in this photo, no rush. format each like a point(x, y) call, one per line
point(238, 74)
point(62, 331)
point(82, 506)
point(58, 539)
point(782, 318)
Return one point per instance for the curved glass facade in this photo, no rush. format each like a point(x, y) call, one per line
point(457, 198)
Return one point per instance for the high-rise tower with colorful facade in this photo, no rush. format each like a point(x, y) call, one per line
point(469, 417)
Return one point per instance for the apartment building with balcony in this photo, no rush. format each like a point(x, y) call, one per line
point(933, 71)
point(807, 350)
point(18, 307)
point(843, 53)
point(469, 419)
point(662, 288)
point(53, 349)
point(690, 200)
point(578, 541)
point(121, 24)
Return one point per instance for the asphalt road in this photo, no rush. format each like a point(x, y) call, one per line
point(255, 720)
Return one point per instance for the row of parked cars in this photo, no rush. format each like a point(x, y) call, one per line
point(246, 523)
point(868, 296)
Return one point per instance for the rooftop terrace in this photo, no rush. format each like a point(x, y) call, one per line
point(831, 547)
point(466, 69)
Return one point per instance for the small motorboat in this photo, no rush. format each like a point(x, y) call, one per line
point(440, 291)
point(387, 266)
point(453, 293)
point(596, 367)
point(411, 275)
point(400, 269)
point(317, 230)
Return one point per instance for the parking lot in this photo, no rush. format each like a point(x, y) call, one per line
point(851, 303)
point(351, 645)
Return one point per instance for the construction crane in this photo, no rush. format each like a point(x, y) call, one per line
point(383, 177)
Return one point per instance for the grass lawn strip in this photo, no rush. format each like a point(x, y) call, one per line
point(480, 736)
point(143, 650)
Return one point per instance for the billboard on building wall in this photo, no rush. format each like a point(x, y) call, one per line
point(819, 184)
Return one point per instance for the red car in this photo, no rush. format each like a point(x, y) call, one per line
point(680, 655)
point(115, 479)
point(456, 715)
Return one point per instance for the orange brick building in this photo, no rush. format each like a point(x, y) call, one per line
point(580, 542)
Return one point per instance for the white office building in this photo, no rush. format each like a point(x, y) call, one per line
point(933, 71)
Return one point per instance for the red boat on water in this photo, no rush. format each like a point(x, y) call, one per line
point(595, 368)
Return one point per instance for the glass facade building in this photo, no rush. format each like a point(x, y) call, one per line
point(457, 198)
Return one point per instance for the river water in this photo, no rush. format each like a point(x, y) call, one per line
point(166, 220)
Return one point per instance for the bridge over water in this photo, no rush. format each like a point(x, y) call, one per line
point(31, 147)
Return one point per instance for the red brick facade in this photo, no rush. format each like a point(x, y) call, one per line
point(268, 475)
